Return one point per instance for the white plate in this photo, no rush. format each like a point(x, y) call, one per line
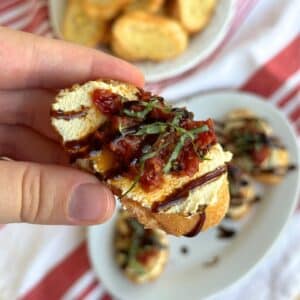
point(200, 46)
point(185, 275)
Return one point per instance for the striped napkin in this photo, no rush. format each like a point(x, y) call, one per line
point(261, 54)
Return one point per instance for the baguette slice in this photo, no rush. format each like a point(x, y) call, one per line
point(79, 28)
point(278, 157)
point(139, 36)
point(153, 249)
point(104, 9)
point(180, 219)
point(194, 15)
point(152, 6)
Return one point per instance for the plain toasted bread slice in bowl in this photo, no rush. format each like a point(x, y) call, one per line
point(193, 15)
point(77, 27)
point(139, 35)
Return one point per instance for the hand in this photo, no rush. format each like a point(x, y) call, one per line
point(39, 187)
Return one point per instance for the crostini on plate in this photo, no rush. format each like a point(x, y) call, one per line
point(255, 147)
point(140, 253)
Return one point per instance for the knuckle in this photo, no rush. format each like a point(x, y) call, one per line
point(31, 191)
point(8, 145)
point(25, 118)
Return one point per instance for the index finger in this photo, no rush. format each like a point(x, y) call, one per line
point(36, 62)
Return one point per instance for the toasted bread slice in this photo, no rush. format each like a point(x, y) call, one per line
point(139, 35)
point(79, 28)
point(152, 6)
point(104, 9)
point(194, 15)
point(274, 165)
point(179, 219)
point(152, 249)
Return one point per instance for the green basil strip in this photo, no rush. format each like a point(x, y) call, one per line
point(136, 266)
point(147, 156)
point(175, 153)
point(133, 247)
point(154, 128)
point(134, 183)
point(158, 129)
point(137, 177)
point(177, 118)
point(133, 263)
point(138, 231)
point(198, 130)
point(141, 114)
point(136, 114)
point(136, 226)
point(188, 134)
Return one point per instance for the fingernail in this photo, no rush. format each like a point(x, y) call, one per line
point(90, 203)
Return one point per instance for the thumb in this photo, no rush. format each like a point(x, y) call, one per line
point(46, 194)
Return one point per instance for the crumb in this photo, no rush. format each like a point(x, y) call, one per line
point(212, 262)
point(184, 250)
point(225, 233)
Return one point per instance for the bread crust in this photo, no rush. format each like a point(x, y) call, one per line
point(104, 11)
point(237, 213)
point(269, 178)
point(177, 224)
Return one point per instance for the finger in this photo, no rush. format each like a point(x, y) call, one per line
point(32, 61)
point(44, 194)
point(22, 143)
point(28, 107)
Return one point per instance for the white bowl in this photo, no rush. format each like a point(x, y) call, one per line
point(185, 275)
point(200, 46)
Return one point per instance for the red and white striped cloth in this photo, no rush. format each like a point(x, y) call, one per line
point(261, 54)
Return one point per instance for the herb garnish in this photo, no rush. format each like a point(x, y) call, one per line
point(185, 135)
point(138, 176)
point(161, 128)
point(248, 141)
point(148, 107)
point(132, 261)
point(154, 128)
point(191, 134)
point(138, 231)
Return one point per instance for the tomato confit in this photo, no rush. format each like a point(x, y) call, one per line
point(149, 138)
